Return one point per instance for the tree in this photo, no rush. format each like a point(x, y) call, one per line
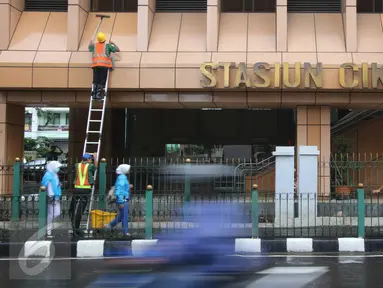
point(30, 144)
point(41, 145)
point(46, 114)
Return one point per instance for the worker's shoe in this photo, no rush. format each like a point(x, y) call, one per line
point(97, 93)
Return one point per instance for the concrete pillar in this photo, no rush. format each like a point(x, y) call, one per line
point(145, 17)
point(307, 184)
point(284, 186)
point(314, 129)
point(281, 25)
point(77, 15)
point(10, 12)
point(213, 19)
point(12, 119)
point(350, 24)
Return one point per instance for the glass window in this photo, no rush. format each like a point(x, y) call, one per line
point(370, 6)
point(114, 5)
point(181, 6)
point(314, 6)
point(28, 122)
point(28, 118)
point(46, 6)
point(56, 119)
point(248, 6)
point(67, 119)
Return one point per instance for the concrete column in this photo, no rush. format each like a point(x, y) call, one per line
point(77, 15)
point(281, 25)
point(145, 18)
point(350, 24)
point(11, 140)
point(10, 12)
point(284, 186)
point(307, 184)
point(314, 129)
point(213, 19)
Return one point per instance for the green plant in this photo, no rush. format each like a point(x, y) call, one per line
point(344, 164)
point(30, 144)
point(41, 145)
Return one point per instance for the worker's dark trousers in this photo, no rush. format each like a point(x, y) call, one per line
point(77, 206)
point(99, 75)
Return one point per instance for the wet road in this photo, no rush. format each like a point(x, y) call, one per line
point(277, 271)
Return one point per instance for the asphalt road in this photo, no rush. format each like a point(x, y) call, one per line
point(276, 271)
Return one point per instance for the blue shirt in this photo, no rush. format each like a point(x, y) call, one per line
point(50, 178)
point(122, 189)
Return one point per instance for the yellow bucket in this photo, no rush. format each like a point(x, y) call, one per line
point(101, 218)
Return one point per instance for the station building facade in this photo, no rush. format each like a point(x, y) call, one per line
point(245, 62)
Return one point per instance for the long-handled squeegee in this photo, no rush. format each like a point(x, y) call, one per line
point(101, 16)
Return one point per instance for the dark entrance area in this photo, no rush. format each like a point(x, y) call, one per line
point(149, 131)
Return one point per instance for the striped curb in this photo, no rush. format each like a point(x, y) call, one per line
point(109, 248)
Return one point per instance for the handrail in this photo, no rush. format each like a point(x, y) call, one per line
point(260, 165)
point(351, 119)
point(267, 160)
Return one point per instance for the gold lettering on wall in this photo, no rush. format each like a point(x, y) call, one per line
point(226, 72)
point(277, 75)
point(317, 77)
point(376, 75)
point(212, 80)
point(242, 77)
point(297, 78)
point(342, 75)
point(260, 70)
point(351, 75)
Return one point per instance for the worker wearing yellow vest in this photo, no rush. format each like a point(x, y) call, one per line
point(101, 63)
point(83, 183)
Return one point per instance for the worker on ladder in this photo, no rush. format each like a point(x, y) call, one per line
point(101, 63)
point(84, 180)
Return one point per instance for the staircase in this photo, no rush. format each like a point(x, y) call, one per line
point(237, 182)
point(354, 118)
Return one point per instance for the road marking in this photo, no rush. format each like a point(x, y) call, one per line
point(288, 277)
point(293, 270)
point(307, 256)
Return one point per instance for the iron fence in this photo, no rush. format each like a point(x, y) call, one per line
point(278, 216)
point(174, 185)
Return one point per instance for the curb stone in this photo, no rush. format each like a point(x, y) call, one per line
point(110, 248)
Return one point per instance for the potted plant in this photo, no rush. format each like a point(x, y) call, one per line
point(343, 167)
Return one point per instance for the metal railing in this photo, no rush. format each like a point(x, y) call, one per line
point(264, 215)
point(336, 212)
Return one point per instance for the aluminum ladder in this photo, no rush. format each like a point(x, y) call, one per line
point(93, 135)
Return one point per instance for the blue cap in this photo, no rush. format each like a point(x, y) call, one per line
point(86, 156)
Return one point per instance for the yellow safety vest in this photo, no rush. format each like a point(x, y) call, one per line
point(82, 181)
